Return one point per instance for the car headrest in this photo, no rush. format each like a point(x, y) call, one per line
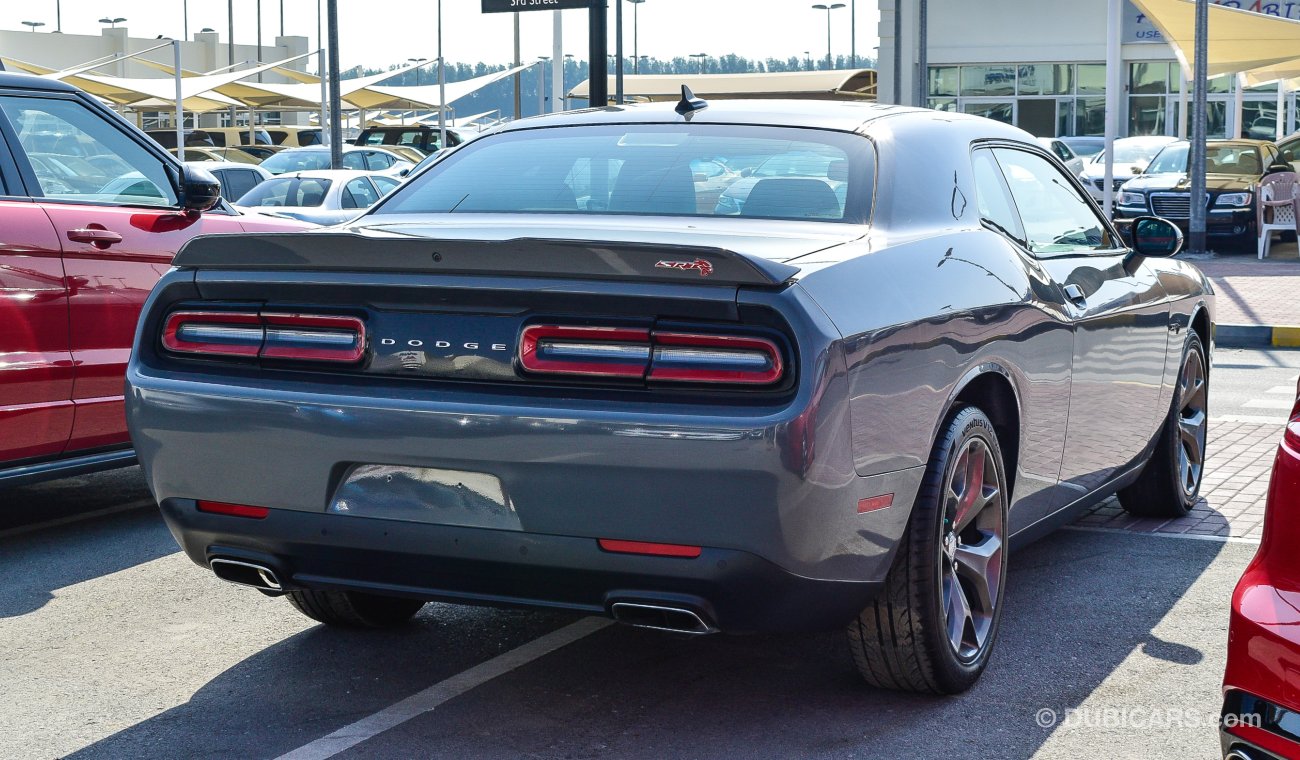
point(792, 198)
point(655, 189)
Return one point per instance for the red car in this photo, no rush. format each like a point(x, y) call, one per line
point(1261, 689)
point(91, 213)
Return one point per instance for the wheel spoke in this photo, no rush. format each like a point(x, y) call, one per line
point(979, 565)
point(959, 614)
point(1191, 431)
point(973, 488)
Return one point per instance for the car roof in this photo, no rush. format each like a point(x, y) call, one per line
point(347, 148)
point(339, 174)
point(10, 80)
point(846, 116)
point(210, 165)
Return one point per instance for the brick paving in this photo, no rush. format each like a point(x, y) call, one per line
point(1237, 469)
point(1254, 292)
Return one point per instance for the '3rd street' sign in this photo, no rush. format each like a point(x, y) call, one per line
point(510, 6)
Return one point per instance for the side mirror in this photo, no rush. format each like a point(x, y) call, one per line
point(404, 172)
point(199, 190)
point(1137, 169)
point(1153, 236)
point(1280, 166)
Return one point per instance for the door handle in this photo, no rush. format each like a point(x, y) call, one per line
point(100, 238)
point(1075, 294)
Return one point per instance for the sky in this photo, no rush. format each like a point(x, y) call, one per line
point(668, 28)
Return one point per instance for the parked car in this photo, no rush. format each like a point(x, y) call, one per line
point(484, 390)
point(1062, 150)
point(318, 158)
point(225, 155)
point(1233, 169)
point(197, 138)
point(824, 166)
point(1132, 154)
point(1084, 147)
point(1263, 633)
point(295, 137)
point(85, 236)
point(424, 137)
point(412, 154)
point(225, 137)
point(319, 197)
point(236, 179)
point(262, 152)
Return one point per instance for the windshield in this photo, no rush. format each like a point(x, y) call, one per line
point(764, 172)
point(1130, 153)
point(1219, 159)
point(297, 161)
point(303, 192)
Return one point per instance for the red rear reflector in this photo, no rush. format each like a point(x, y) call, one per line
point(884, 501)
point(1292, 435)
point(233, 510)
point(645, 547)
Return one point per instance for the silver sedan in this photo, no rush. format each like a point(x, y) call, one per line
point(323, 197)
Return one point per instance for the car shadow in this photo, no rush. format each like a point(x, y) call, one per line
point(36, 561)
point(1079, 603)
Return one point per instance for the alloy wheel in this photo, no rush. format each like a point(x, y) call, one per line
point(971, 566)
point(1192, 422)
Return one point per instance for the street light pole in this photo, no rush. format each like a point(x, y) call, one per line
point(336, 93)
point(636, 34)
point(442, 85)
point(1196, 157)
point(618, 52)
point(830, 62)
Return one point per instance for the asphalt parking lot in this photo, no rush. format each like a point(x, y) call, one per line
point(117, 646)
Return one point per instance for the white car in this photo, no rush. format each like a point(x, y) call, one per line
point(322, 197)
point(1132, 154)
point(373, 158)
point(1062, 151)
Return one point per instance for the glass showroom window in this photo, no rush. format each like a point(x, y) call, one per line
point(1047, 99)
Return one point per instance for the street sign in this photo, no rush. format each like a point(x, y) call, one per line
point(511, 6)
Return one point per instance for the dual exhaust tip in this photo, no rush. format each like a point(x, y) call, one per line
point(658, 617)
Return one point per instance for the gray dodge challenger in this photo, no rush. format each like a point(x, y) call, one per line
point(740, 366)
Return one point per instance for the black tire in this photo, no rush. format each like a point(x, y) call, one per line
point(902, 640)
point(354, 609)
point(1169, 486)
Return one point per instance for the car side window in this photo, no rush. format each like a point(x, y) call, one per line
point(360, 193)
point(354, 160)
point(385, 185)
point(1056, 217)
point(238, 182)
point(994, 198)
point(77, 154)
point(378, 161)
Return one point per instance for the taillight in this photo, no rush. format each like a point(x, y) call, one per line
point(692, 358)
point(310, 337)
point(266, 335)
point(1292, 435)
point(589, 351)
point(656, 356)
point(213, 332)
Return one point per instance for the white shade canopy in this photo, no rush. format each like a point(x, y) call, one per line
point(855, 84)
point(1240, 41)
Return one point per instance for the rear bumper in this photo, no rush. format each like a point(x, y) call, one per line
point(733, 590)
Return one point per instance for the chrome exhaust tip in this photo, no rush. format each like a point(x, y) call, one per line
point(661, 618)
point(243, 573)
point(1238, 753)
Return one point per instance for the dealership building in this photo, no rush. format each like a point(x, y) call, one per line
point(1041, 66)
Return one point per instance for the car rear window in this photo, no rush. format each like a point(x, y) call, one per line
point(297, 161)
point(675, 170)
point(288, 191)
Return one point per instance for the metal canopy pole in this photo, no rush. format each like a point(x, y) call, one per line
point(442, 86)
point(518, 75)
point(923, 54)
point(618, 52)
point(324, 122)
point(1182, 104)
point(557, 63)
point(598, 66)
point(1114, 14)
point(1196, 157)
point(1281, 109)
point(898, 52)
point(336, 94)
point(180, 101)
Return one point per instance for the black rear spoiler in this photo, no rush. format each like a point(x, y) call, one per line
point(525, 257)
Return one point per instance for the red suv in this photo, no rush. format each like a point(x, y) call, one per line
point(1261, 688)
point(91, 213)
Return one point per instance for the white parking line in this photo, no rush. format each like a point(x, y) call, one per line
point(1269, 403)
point(1186, 536)
point(424, 701)
point(1279, 420)
point(1285, 390)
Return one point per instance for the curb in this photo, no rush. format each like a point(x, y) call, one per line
point(1254, 336)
